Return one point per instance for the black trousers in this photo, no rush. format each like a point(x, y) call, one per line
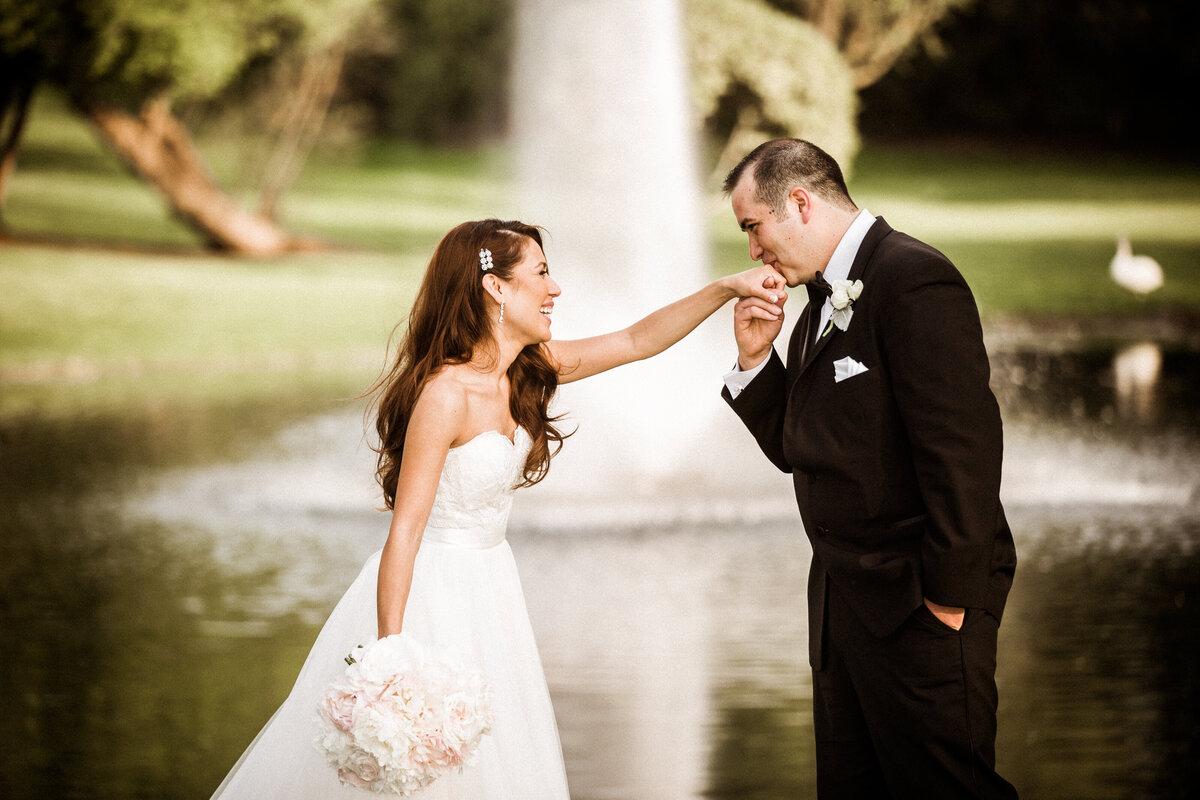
point(910, 715)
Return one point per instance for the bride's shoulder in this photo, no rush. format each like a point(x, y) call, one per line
point(443, 398)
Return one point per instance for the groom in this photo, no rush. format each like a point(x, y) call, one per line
point(884, 418)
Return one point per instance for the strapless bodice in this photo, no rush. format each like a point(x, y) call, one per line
point(475, 492)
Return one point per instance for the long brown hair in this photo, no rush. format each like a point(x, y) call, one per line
point(448, 325)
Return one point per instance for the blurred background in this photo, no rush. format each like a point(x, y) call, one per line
point(213, 213)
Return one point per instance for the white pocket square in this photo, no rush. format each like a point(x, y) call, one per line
point(846, 368)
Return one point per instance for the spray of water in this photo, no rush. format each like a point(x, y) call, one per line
point(605, 161)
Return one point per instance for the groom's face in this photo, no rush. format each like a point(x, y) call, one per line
point(776, 240)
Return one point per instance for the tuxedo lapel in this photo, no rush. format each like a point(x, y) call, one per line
point(866, 250)
point(798, 344)
point(812, 349)
point(806, 331)
point(816, 345)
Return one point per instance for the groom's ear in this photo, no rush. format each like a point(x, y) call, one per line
point(800, 199)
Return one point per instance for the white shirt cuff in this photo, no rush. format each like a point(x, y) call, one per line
point(737, 380)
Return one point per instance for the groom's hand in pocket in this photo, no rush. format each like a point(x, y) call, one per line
point(755, 326)
point(950, 616)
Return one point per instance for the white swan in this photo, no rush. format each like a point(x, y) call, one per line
point(1138, 274)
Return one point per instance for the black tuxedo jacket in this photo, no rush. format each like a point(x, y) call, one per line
point(896, 469)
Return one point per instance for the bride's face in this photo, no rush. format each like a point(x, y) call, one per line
point(529, 296)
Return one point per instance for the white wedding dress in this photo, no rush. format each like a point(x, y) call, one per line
point(465, 595)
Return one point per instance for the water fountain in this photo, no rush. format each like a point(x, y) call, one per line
point(606, 162)
point(605, 156)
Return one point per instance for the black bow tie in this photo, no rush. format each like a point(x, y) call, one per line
point(818, 288)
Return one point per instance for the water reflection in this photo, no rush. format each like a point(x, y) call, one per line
point(1136, 368)
point(114, 687)
point(163, 569)
point(1133, 387)
point(1101, 658)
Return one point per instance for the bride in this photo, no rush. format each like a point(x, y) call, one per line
point(462, 418)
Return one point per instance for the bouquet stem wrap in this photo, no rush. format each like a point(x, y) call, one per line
point(401, 716)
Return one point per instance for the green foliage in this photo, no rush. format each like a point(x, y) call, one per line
point(439, 73)
point(129, 50)
point(26, 27)
point(191, 48)
point(757, 73)
point(31, 36)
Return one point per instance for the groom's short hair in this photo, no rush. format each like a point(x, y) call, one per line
point(781, 164)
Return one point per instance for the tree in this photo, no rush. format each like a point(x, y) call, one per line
point(757, 73)
point(443, 76)
point(871, 35)
point(764, 68)
point(25, 32)
point(125, 63)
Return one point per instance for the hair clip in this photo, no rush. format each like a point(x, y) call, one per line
point(485, 259)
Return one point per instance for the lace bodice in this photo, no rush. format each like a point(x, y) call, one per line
point(475, 491)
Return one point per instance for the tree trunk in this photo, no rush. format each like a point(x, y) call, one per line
point(872, 46)
point(157, 147)
point(828, 17)
point(299, 122)
point(14, 110)
point(873, 35)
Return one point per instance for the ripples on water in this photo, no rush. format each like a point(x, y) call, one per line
point(165, 570)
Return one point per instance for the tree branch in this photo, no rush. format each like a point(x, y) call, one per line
point(875, 41)
point(157, 147)
point(299, 123)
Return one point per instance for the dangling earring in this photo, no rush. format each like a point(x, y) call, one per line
point(501, 312)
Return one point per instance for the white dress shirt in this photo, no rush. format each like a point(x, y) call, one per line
point(838, 268)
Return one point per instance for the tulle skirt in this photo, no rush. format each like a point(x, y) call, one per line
point(466, 599)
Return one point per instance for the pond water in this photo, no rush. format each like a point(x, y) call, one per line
point(166, 566)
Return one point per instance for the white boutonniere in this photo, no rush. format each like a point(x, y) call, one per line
point(843, 297)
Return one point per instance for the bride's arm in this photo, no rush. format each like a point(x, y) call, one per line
point(432, 428)
point(580, 358)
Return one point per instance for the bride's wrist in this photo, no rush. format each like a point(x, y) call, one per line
point(728, 289)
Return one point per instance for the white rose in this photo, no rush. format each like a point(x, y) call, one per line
point(842, 299)
point(361, 770)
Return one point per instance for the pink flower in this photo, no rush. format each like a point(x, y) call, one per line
point(399, 717)
point(340, 705)
point(464, 721)
point(363, 770)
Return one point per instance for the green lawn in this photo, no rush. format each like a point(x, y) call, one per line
point(1034, 233)
point(100, 281)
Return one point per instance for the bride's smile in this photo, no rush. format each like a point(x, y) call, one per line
point(529, 299)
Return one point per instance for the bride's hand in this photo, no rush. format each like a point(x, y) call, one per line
point(761, 282)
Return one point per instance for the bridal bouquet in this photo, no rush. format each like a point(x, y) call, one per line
point(400, 716)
